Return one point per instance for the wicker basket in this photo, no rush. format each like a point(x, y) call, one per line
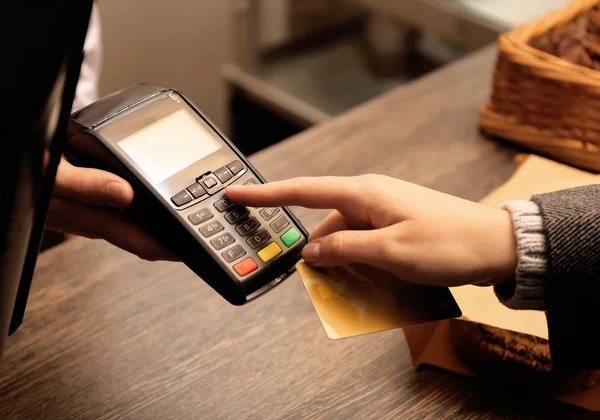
point(542, 102)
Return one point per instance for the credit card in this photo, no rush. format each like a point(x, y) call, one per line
point(357, 300)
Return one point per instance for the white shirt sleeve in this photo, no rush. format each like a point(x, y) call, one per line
point(87, 87)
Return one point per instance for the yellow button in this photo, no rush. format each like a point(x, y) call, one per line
point(269, 252)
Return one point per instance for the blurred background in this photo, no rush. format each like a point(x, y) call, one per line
point(264, 70)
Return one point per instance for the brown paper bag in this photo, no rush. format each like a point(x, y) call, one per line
point(430, 344)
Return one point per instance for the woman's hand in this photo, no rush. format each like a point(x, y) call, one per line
point(419, 235)
point(87, 202)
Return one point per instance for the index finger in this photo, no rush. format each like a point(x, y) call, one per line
point(330, 192)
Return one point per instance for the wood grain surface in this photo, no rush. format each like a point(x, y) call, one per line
point(107, 336)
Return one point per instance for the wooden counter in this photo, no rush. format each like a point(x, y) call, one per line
point(109, 336)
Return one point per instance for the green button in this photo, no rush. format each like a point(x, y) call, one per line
point(290, 237)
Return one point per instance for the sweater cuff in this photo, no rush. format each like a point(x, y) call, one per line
point(528, 292)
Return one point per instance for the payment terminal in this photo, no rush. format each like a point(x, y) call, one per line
point(179, 165)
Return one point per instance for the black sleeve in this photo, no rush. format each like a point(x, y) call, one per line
point(571, 222)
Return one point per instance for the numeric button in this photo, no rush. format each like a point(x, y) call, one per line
point(258, 239)
point(269, 213)
point(236, 214)
point(211, 229)
point(222, 241)
point(247, 227)
point(233, 254)
point(223, 204)
point(200, 216)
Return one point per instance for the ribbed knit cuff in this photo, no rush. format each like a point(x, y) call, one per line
point(529, 290)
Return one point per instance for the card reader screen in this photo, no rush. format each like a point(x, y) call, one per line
point(169, 145)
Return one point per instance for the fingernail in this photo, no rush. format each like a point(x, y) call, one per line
point(114, 193)
point(312, 252)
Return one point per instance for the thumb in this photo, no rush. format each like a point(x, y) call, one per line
point(348, 247)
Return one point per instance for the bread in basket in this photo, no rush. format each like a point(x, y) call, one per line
point(546, 86)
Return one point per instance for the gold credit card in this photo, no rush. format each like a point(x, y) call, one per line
point(358, 300)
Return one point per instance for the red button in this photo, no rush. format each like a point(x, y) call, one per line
point(245, 267)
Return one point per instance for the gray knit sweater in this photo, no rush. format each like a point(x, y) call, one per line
point(558, 271)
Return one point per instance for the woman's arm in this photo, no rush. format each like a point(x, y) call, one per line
point(571, 220)
point(558, 270)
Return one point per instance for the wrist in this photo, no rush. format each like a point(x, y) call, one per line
point(504, 258)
